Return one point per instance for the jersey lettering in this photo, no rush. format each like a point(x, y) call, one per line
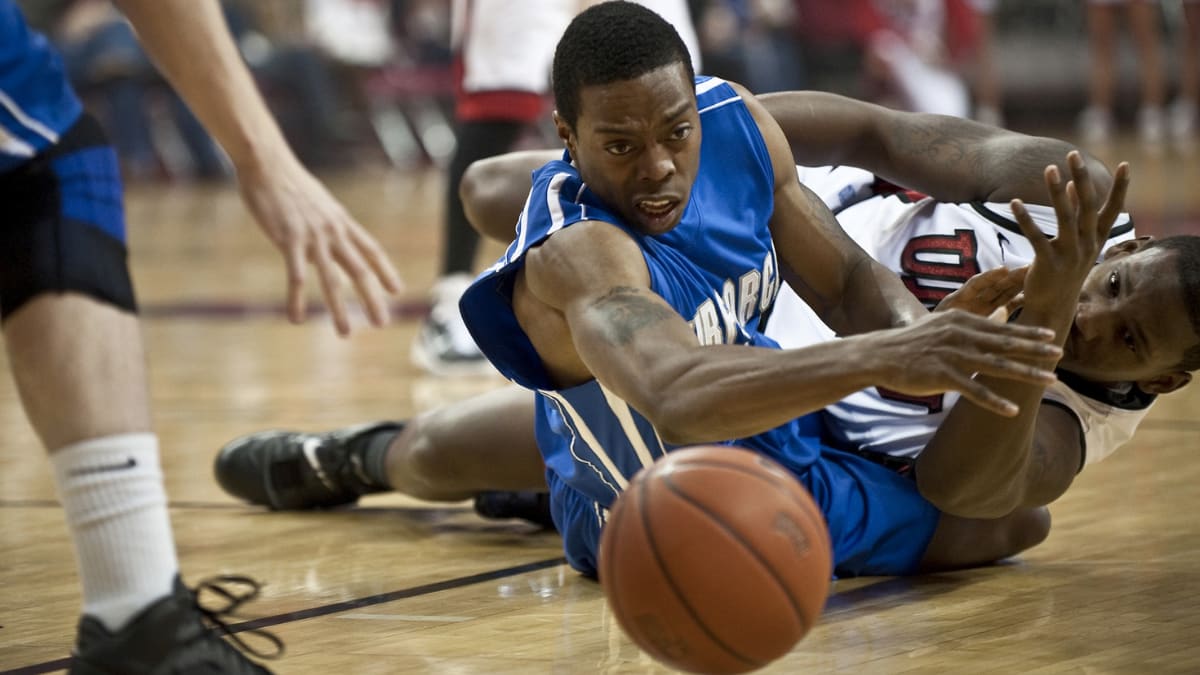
point(942, 258)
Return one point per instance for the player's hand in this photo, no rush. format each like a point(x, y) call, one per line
point(310, 226)
point(943, 351)
point(1061, 264)
point(987, 292)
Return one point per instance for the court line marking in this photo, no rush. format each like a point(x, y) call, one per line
point(420, 618)
point(337, 607)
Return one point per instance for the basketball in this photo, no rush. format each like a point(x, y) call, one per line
point(715, 560)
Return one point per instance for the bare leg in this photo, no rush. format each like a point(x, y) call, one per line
point(79, 368)
point(1189, 65)
point(1101, 21)
point(483, 443)
point(73, 358)
point(965, 542)
point(1143, 26)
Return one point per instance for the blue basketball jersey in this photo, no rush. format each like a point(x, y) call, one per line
point(36, 101)
point(717, 268)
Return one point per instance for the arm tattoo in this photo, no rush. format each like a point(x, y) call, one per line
point(936, 142)
point(627, 310)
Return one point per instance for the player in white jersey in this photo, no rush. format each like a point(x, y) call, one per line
point(454, 452)
point(935, 247)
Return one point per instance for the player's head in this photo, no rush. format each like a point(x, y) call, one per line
point(1138, 318)
point(626, 109)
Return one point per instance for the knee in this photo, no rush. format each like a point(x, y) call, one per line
point(426, 470)
point(1025, 529)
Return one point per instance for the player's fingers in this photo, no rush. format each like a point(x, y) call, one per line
point(1041, 245)
point(296, 263)
point(1084, 188)
point(985, 398)
point(1114, 204)
point(331, 287)
point(1057, 188)
point(363, 278)
point(1009, 368)
point(375, 256)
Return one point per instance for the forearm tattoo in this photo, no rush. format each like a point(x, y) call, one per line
point(936, 141)
point(627, 310)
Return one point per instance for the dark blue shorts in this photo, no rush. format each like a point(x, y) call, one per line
point(879, 523)
point(64, 223)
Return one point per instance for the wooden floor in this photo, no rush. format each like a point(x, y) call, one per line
point(402, 587)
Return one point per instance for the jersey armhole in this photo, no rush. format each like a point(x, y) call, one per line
point(1079, 424)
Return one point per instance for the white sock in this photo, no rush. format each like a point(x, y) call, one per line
point(112, 491)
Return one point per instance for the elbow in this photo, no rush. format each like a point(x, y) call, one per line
point(680, 419)
point(482, 202)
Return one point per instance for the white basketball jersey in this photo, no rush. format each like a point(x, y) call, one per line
point(935, 247)
point(511, 42)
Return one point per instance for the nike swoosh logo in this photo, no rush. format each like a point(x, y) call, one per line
point(104, 468)
point(1001, 240)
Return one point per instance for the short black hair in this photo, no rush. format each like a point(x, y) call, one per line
point(610, 42)
point(1187, 268)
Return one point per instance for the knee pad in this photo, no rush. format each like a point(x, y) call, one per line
point(63, 228)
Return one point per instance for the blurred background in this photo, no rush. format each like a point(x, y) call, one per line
point(371, 81)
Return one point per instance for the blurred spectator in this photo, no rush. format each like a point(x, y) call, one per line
point(753, 42)
point(1184, 111)
point(985, 74)
point(912, 50)
point(1142, 17)
point(102, 56)
point(293, 75)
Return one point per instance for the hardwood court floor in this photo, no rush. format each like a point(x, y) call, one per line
point(397, 586)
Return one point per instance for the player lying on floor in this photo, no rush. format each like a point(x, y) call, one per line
point(1117, 356)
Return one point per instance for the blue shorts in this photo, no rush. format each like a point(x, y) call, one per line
point(879, 523)
point(64, 223)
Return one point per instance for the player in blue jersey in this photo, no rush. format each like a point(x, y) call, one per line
point(615, 249)
point(487, 443)
point(70, 324)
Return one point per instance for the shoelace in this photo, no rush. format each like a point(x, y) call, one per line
point(233, 599)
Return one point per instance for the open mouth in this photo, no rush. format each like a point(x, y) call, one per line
point(657, 212)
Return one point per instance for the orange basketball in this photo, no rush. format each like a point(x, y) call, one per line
point(715, 560)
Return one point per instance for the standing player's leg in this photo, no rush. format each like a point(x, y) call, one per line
point(1096, 120)
point(72, 336)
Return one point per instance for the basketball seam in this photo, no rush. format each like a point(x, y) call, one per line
point(687, 606)
point(775, 481)
point(746, 545)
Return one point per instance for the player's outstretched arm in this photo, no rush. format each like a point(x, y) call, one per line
point(595, 316)
point(948, 158)
point(979, 465)
point(190, 43)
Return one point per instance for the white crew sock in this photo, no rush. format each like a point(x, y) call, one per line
point(112, 491)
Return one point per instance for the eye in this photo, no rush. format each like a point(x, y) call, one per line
point(1114, 284)
point(619, 148)
point(681, 132)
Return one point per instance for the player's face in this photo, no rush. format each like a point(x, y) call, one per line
point(637, 145)
point(1132, 323)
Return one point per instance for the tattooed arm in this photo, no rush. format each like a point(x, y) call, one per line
point(584, 300)
point(948, 158)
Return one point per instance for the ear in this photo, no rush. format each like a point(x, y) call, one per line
point(1165, 383)
point(1126, 247)
point(565, 132)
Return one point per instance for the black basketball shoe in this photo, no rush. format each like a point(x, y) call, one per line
point(293, 470)
point(530, 506)
point(174, 636)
